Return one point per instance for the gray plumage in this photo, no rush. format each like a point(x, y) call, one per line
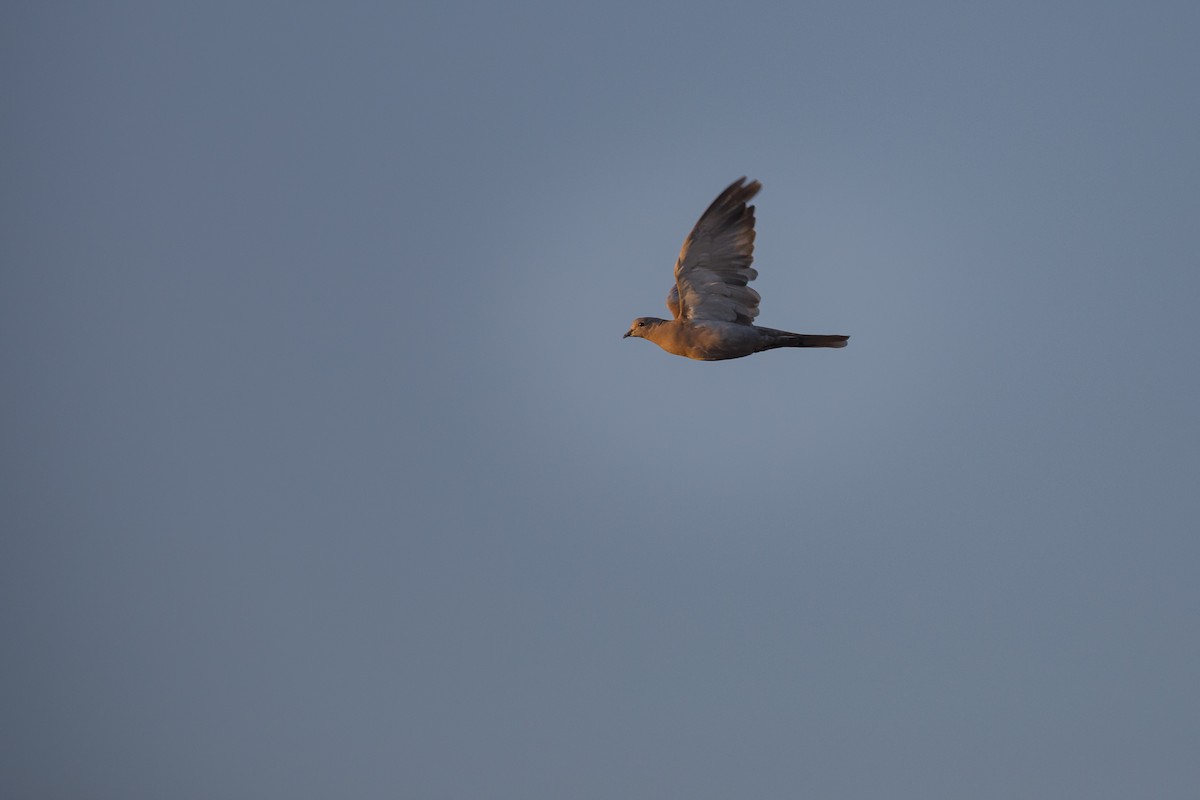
point(712, 304)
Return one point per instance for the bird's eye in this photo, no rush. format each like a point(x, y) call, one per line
point(641, 324)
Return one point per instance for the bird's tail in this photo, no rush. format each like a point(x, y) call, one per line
point(786, 339)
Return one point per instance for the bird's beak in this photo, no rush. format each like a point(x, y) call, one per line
point(626, 336)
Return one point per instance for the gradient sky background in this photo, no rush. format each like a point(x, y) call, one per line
point(326, 471)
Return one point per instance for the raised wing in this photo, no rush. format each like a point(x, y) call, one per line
point(714, 264)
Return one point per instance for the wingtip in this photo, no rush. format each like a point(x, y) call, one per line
point(741, 183)
point(750, 190)
point(737, 193)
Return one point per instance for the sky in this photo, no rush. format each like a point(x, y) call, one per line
point(325, 471)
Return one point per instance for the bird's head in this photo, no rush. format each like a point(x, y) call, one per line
point(640, 326)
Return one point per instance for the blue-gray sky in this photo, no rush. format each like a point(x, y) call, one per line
point(327, 473)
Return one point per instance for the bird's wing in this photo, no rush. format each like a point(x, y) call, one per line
point(714, 264)
point(673, 300)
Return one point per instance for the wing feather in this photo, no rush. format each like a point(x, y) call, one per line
point(673, 301)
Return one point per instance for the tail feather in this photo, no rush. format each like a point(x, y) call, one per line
point(787, 339)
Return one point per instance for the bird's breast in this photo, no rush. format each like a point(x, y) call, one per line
point(706, 340)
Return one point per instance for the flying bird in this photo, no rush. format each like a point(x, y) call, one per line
point(712, 303)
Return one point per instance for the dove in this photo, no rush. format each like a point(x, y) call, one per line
point(712, 303)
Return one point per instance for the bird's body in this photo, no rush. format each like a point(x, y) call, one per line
point(713, 305)
point(714, 340)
